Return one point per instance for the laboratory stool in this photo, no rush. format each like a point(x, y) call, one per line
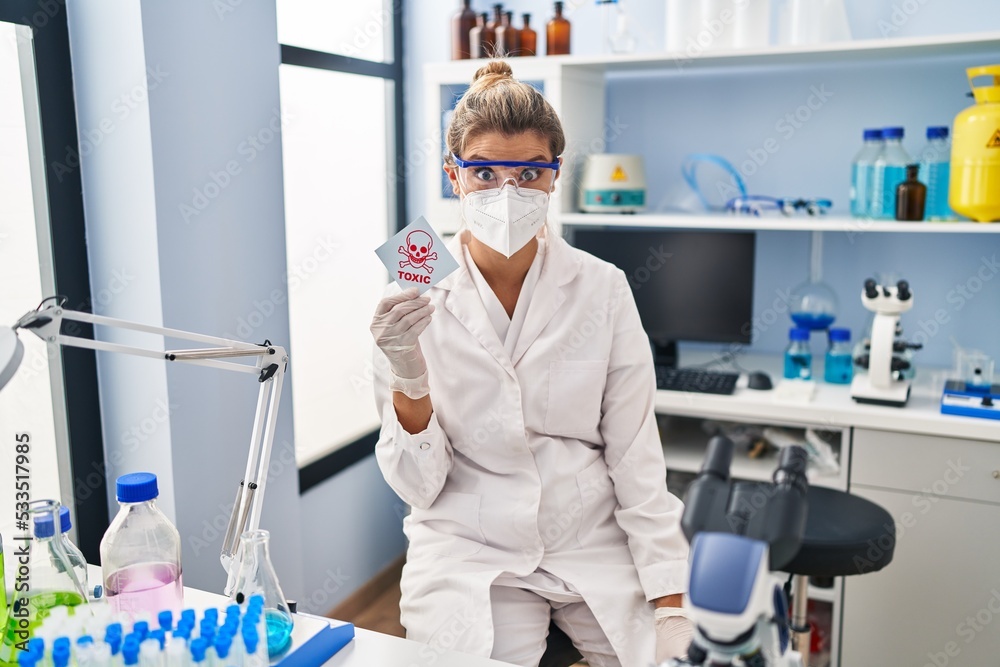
point(845, 536)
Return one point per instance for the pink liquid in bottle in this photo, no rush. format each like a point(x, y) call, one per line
point(148, 587)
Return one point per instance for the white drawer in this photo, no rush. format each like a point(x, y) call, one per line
point(928, 465)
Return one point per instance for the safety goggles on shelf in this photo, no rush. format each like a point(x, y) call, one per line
point(759, 204)
point(475, 175)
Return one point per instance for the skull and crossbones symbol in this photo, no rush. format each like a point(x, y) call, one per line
point(418, 251)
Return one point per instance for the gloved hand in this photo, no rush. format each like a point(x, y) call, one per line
point(398, 321)
point(673, 633)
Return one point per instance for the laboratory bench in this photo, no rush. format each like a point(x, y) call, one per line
point(367, 649)
point(937, 475)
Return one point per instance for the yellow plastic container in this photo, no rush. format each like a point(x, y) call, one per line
point(974, 190)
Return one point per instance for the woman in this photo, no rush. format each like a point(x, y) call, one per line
point(517, 420)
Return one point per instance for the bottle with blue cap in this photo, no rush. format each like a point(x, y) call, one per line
point(935, 173)
point(888, 173)
point(141, 552)
point(54, 587)
point(838, 367)
point(798, 357)
point(862, 173)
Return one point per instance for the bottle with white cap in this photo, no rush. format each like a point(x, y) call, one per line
point(141, 552)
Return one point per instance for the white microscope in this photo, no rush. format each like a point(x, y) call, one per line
point(883, 383)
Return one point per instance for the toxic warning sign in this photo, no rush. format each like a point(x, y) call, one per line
point(416, 257)
point(619, 175)
point(994, 141)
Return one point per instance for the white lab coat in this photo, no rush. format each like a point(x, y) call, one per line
point(573, 406)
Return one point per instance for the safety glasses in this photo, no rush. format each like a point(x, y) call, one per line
point(476, 175)
point(760, 204)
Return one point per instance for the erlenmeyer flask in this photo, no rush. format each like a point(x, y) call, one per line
point(256, 576)
point(43, 580)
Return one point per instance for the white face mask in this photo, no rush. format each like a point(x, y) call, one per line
point(505, 218)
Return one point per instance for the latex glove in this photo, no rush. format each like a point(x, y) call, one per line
point(398, 321)
point(673, 633)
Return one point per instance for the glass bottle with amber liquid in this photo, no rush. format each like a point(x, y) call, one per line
point(494, 25)
point(529, 38)
point(557, 34)
point(461, 25)
point(508, 37)
point(911, 195)
point(482, 38)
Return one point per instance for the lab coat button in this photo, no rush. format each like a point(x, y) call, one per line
point(425, 445)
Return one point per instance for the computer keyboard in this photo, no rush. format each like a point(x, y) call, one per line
point(698, 381)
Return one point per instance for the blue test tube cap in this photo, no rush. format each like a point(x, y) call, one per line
point(198, 648)
point(61, 643)
point(222, 645)
point(114, 640)
point(60, 656)
point(165, 619)
point(233, 610)
point(27, 659)
point(250, 639)
point(36, 646)
point(141, 628)
point(212, 614)
point(188, 614)
point(160, 636)
point(256, 600)
point(84, 639)
point(179, 634)
point(207, 627)
point(113, 629)
point(130, 651)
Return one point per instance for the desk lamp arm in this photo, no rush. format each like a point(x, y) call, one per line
point(270, 367)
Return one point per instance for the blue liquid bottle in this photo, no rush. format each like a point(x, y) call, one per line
point(862, 173)
point(935, 173)
point(888, 173)
point(839, 366)
point(798, 357)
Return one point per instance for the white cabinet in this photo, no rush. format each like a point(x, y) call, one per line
point(938, 602)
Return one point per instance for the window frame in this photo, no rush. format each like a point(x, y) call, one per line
point(70, 265)
point(343, 457)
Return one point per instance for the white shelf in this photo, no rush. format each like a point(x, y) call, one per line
point(780, 223)
point(860, 51)
point(684, 444)
point(831, 406)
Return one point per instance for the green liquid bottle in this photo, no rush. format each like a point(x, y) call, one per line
point(43, 580)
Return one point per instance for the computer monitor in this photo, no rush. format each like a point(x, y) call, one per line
point(688, 285)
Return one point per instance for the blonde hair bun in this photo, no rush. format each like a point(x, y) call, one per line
point(498, 103)
point(492, 71)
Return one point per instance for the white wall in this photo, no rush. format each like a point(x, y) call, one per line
point(212, 85)
point(202, 251)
